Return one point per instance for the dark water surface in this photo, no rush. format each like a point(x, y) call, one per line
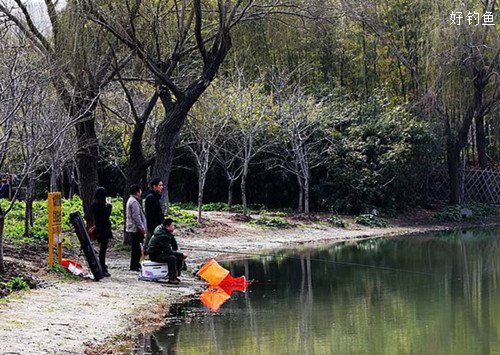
point(427, 294)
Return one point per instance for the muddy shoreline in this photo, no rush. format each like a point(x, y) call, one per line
point(78, 317)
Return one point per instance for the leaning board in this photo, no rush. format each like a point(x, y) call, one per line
point(81, 232)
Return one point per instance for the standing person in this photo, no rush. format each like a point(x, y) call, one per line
point(152, 205)
point(135, 225)
point(4, 189)
point(101, 211)
point(163, 248)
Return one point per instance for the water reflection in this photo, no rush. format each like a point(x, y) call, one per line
point(445, 299)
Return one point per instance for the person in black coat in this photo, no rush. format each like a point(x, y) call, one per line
point(101, 212)
point(153, 210)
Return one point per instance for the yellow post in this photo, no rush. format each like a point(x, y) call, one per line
point(55, 221)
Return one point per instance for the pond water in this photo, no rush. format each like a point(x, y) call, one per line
point(426, 294)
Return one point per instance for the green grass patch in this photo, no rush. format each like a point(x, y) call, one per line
point(370, 220)
point(17, 283)
point(14, 223)
point(182, 217)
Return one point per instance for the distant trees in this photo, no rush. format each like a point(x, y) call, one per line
point(464, 72)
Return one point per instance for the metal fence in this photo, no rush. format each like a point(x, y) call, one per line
point(476, 185)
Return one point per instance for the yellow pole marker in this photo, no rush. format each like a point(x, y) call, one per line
point(55, 221)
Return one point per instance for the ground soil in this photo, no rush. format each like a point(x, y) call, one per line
point(71, 316)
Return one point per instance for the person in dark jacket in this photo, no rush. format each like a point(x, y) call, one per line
point(152, 206)
point(101, 212)
point(163, 248)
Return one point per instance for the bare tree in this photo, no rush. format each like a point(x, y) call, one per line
point(251, 127)
point(80, 62)
point(305, 141)
point(204, 126)
point(228, 154)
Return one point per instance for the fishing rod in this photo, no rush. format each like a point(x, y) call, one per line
point(345, 263)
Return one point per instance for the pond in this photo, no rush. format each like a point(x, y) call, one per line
point(425, 294)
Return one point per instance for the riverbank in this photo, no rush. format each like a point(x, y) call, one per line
point(78, 316)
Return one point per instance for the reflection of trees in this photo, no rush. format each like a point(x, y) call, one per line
point(305, 307)
point(365, 310)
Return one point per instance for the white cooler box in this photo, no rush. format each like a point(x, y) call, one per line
point(152, 271)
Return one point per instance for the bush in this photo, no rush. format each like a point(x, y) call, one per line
point(273, 222)
point(380, 158)
point(336, 221)
point(454, 213)
point(17, 283)
point(370, 220)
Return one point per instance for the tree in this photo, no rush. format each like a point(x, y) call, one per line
point(27, 140)
point(465, 77)
point(250, 126)
point(182, 47)
point(305, 140)
point(79, 57)
point(204, 127)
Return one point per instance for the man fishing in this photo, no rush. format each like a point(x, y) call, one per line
point(163, 248)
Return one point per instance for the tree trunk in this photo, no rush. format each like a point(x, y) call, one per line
point(201, 188)
point(453, 160)
point(481, 142)
point(72, 180)
point(53, 179)
point(244, 193)
point(301, 194)
point(28, 211)
point(87, 159)
point(306, 195)
point(167, 137)
point(230, 193)
point(2, 224)
point(200, 201)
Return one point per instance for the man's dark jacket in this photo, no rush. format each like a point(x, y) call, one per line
point(163, 242)
point(154, 213)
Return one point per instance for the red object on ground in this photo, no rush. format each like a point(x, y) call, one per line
point(72, 265)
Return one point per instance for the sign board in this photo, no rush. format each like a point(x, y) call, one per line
point(55, 223)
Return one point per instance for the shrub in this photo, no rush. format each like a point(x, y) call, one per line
point(454, 213)
point(370, 220)
point(273, 222)
point(336, 221)
point(380, 158)
point(17, 283)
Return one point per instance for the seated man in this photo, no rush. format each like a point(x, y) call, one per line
point(162, 248)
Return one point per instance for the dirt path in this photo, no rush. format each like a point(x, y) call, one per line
point(66, 317)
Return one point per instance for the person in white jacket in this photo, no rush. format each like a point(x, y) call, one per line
point(135, 224)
